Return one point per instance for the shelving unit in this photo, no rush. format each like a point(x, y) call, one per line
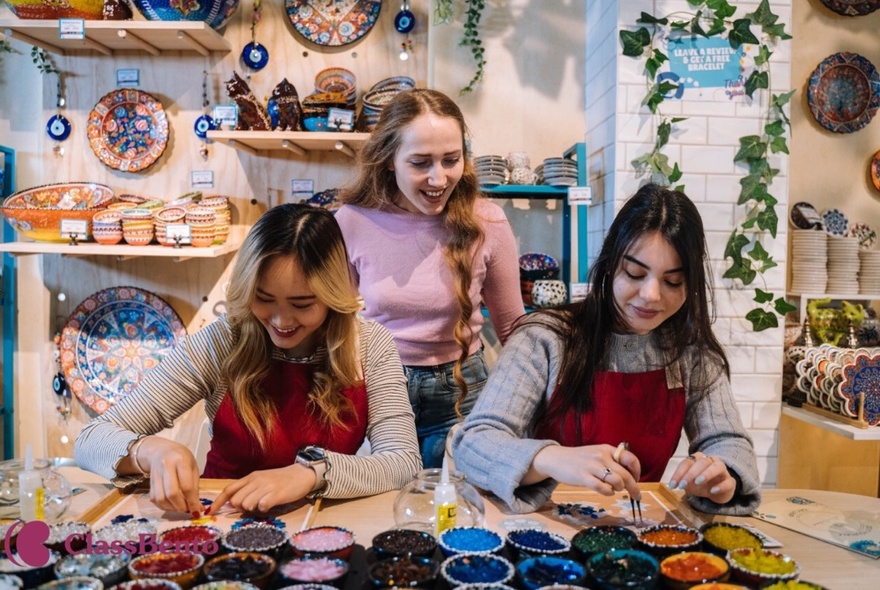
point(805, 298)
point(10, 317)
point(109, 37)
point(121, 251)
point(258, 143)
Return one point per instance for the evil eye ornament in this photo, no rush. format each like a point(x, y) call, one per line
point(405, 20)
point(204, 124)
point(58, 127)
point(255, 56)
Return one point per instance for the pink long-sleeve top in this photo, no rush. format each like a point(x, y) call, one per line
point(397, 261)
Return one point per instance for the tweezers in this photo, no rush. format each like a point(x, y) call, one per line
point(623, 446)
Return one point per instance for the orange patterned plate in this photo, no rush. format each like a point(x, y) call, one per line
point(128, 130)
point(333, 22)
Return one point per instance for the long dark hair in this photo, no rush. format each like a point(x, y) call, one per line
point(586, 327)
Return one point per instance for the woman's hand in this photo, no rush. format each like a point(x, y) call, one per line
point(261, 491)
point(704, 476)
point(591, 466)
point(173, 472)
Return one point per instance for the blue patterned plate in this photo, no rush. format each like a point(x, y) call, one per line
point(112, 339)
point(128, 129)
point(836, 222)
point(852, 7)
point(844, 92)
point(862, 377)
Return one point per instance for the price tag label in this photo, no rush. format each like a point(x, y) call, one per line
point(201, 179)
point(128, 78)
point(71, 28)
point(579, 291)
point(302, 188)
point(226, 113)
point(580, 195)
point(340, 119)
point(173, 231)
point(78, 228)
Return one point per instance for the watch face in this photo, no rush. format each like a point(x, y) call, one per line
point(311, 454)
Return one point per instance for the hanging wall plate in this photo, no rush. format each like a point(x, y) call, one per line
point(255, 56)
point(58, 127)
point(204, 124)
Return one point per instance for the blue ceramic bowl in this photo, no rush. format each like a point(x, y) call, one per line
point(547, 570)
point(476, 569)
point(214, 12)
point(469, 540)
point(532, 542)
point(316, 124)
point(623, 569)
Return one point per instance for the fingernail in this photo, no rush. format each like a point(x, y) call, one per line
point(683, 484)
point(639, 499)
point(195, 514)
point(714, 490)
point(672, 484)
point(700, 479)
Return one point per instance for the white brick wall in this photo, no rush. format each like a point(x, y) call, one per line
point(704, 147)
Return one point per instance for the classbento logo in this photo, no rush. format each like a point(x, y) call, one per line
point(146, 543)
point(30, 550)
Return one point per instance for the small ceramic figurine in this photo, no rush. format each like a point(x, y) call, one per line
point(289, 109)
point(116, 10)
point(830, 324)
point(251, 114)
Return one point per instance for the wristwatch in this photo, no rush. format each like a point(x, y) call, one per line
point(316, 458)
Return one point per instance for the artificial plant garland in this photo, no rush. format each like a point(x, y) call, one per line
point(713, 18)
point(443, 13)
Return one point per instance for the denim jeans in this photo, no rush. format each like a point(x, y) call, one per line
point(432, 394)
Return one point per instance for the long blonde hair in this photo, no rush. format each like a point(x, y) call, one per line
point(311, 236)
point(376, 186)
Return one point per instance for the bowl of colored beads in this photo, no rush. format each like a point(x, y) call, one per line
point(180, 568)
point(397, 542)
point(110, 569)
point(532, 542)
point(126, 531)
point(308, 587)
point(68, 537)
point(469, 539)
point(225, 585)
point(196, 538)
point(548, 570)
point(721, 537)
point(602, 538)
point(74, 583)
point(665, 539)
point(792, 585)
point(147, 584)
point(403, 572)
point(719, 586)
point(757, 566)
point(29, 575)
point(325, 541)
point(251, 567)
point(257, 537)
point(10, 582)
point(620, 569)
point(311, 570)
point(476, 569)
point(684, 570)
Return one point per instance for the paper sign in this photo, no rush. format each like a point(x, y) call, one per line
point(302, 186)
point(178, 230)
point(579, 291)
point(201, 179)
point(128, 78)
point(340, 119)
point(74, 227)
point(580, 195)
point(71, 28)
point(226, 114)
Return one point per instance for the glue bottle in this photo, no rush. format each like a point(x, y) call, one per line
point(30, 489)
point(444, 501)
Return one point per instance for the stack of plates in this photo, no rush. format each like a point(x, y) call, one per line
point(809, 256)
point(560, 172)
point(869, 272)
point(378, 96)
point(491, 170)
point(843, 265)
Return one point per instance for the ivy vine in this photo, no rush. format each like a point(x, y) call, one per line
point(443, 13)
point(748, 259)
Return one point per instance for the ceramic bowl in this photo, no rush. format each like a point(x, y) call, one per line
point(36, 213)
point(335, 80)
point(36, 9)
point(721, 537)
point(323, 541)
point(754, 567)
point(684, 570)
point(110, 569)
point(31, 577)
point(147, 584)
point(214, 12)
point(548, 570)
point(792, 585)
point(251, 567)
point(74, 583)
point(226, 585)
point(398, 542)
point(68, 537)
point(180, 568)
point(199, 538)
point(601, 538)
point(537, 265)
point(403, 572)
point(620, 569)
point(719, 586)
point(257, 538)
point(532, 542)
point(665, 539)
point(469, 540)
point(476, 569)
point(314, 570)
point(8, 527)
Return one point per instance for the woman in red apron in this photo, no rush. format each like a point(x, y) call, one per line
point(293, 383)
point(636, 361)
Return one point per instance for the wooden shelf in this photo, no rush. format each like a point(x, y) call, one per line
point(839, 428)
point(297, 142)
point(121, 251)
point(109, 37)
point(526, 191)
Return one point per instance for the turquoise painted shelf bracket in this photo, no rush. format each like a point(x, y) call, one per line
point(7, 186)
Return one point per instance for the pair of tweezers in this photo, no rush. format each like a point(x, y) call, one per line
point(635, 503)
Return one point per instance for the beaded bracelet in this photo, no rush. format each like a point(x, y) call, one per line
point(133, 453)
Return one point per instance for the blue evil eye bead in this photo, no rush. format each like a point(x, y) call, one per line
point(255, 56)
point(404, 21)
point(274, 112)
point(204, 124)
point(58, 127)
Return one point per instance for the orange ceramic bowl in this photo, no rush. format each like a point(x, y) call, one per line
point(39, 9)
point(36, 213)
point(682, 571)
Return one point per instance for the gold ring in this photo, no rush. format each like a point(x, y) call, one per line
point(605, 474)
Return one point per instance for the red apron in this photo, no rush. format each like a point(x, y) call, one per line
point(644, 409)
point(235, 453)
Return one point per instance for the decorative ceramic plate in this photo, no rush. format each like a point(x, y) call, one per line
point(844, 92)
point(128, 130)
point(835, 222)
point(852, 7)
point(875, 170)
point(112, 339)
point(867, 237)
point(862, 377)
point(333, 22)
point(804, 216)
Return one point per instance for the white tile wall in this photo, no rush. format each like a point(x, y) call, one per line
point(704, 146)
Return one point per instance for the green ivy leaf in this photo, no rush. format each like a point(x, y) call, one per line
point(757, 80)
point(752, 189)
point(721, 8)
point(675, 176)
point(780, 100)
point(750, 148)
point(696, 27)
point(735, 245)
point(763, 16)
point(783, 307)
point(655, 61)
point(650, 19)
point(779, 145)
point(666, 87)
point(663, 131)
point(762, 296)
point(768, 221)
point(653, 100)
point(679, 25)
point(763, 56)
point(777, 31)
point(742, 271)
point(741, 33)
point(762, 320)
point(775, 129)
point(675, 120)
point(634, 42)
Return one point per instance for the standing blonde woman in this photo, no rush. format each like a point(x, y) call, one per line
point(426, 248)
point(293, 384)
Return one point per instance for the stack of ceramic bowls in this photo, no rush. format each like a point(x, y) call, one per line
point(869, 271)
point(317, 106)
point(560, 172)
point(491, 170)
point(338, 80)
point(843, 265)
point(809, 257)
point(132, 200)
point(201, 221)
point(107, 227)
point(380, 95)
point(163, 217)
point(222, 216)
point(137, 226)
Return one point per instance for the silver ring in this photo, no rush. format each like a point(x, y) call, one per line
point(605, 474)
